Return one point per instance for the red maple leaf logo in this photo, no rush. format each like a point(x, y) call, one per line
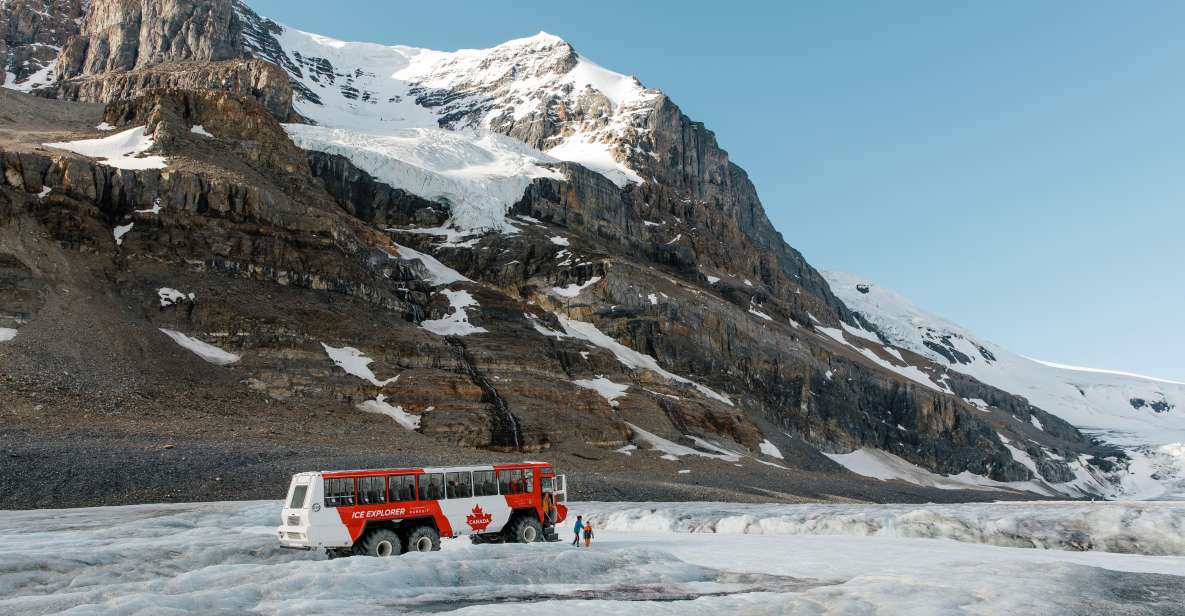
point(478, 520)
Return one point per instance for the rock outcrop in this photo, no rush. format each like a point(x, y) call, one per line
point(31, 34)
point(261, 81)
point(125, 35)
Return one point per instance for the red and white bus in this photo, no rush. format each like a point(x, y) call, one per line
point(392, 511)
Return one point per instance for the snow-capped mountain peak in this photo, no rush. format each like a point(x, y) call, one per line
point(401, 113)
point(1143, 414)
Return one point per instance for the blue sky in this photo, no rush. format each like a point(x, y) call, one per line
point(1016, 167)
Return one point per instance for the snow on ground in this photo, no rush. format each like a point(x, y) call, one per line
point(123, 150)
point(208, 352)
point(382, 407)
point(759, 313)
point(456, 323)
point(745, 559)
point(771, 450)
point(629, 357)
point(608, 389)
point(673, 451)
point(880, 464)
point(1117, 407)
point(198, 129)
point(355, 362)
point(1130, 528)
point(105, 127)
point(910, 372)
point(120, 231)
point(573, 289)
point(168, 296)
point(35, 80)
point(7, 333)
point(584, 148)
point(436, 272)
point(155, 209)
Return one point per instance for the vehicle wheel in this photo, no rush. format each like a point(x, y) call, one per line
point(526, 530)
point(423, 539)
point(481, 538)
point(381, 542)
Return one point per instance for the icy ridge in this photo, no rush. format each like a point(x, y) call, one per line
point(1144, 415)
point(1144, 528)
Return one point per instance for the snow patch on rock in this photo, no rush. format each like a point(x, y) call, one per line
point(437, 273)
point(573, 289)
point(208, 352)
point(356, 363)
point(169, 297)
point(631, 358)
point(123, 150)
point(380, 406)
point(609, 390)
point(456, 323)
point(771, 450)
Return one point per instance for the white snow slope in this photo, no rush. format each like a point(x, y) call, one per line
point(1142, 414)
point(425, 121)
point(647, 558)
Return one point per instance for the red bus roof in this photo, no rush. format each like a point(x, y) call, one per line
point(434, 469)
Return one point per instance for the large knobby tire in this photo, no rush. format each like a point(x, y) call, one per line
point(423, 539)
point(483, 538)
point(526, 529)
point(380, 542)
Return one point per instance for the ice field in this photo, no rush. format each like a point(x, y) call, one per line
point(647, 558)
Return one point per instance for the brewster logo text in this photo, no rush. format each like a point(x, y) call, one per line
point(478, 520)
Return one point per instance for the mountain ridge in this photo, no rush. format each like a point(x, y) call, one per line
point(1145, 415)
point(675, 289)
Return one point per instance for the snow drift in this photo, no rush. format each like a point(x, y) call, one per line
point(1131, 528)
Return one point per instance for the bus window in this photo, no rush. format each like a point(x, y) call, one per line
point(483, 484)
point(529, 480)
point(432, 486)
point(511, 481)
point(372, 490)
point(458, 485)
point(403, 488)
point(339, 492)
point(298, 494)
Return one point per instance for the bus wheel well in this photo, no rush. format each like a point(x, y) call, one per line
point(376, 524)
point(528, 512)
point(401, 527)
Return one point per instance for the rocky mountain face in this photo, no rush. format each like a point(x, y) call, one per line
point(31, 36)
point(630, 303)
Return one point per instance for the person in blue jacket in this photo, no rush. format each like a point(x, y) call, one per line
point(579, 527)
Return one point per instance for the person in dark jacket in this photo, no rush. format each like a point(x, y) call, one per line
point(579, 527)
